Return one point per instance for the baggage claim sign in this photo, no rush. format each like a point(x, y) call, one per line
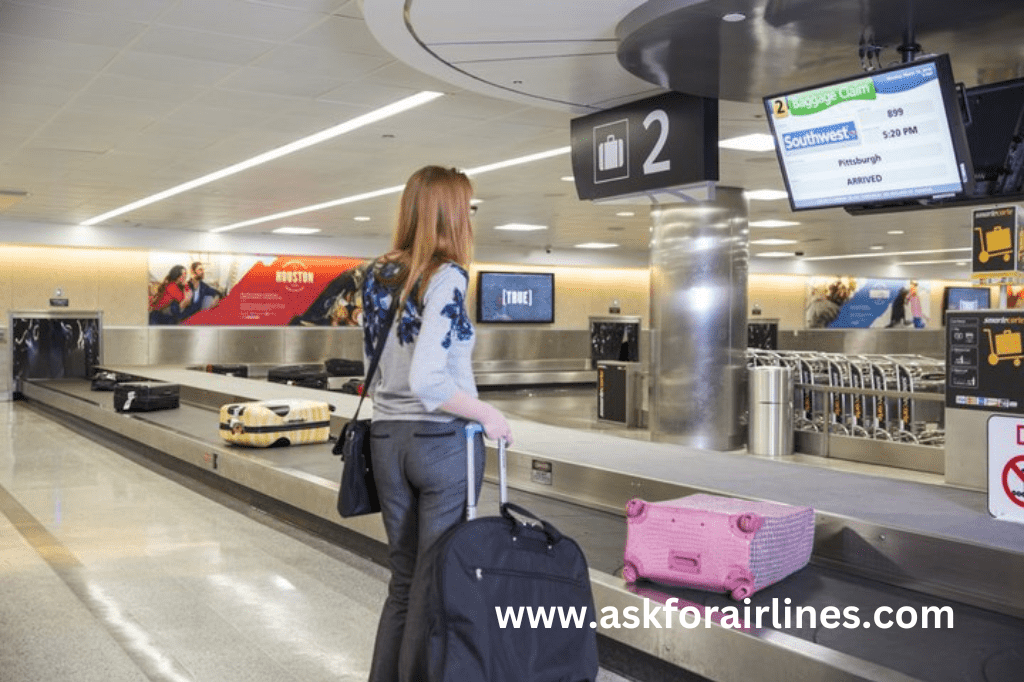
point(666, 141)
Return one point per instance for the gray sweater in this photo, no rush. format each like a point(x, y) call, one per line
point(428, 353)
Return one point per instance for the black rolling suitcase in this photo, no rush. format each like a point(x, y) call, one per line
point(307, 376)
point(229, 370)
point(487, 568)
point(145, 396)
point(340, 367)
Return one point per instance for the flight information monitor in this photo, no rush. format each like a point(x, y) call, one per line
point(891, 134)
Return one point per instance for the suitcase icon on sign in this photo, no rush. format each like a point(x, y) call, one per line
point(995, 242)
point(1005, 346)
point(610, 154)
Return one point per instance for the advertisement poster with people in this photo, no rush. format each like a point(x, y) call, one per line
point(1015, 296)
point(202, 289)
point(853, 303)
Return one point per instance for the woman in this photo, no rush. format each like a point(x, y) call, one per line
point(171, 297)
point(423, 392)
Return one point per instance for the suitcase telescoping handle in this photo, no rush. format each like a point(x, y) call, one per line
point(472, 429)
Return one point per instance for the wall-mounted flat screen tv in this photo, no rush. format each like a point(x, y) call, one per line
point(892, 134)
point(515, 297)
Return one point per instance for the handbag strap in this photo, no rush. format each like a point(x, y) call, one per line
point(379, 350)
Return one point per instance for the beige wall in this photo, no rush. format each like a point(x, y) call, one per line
point(113, 281)
point(91, 279)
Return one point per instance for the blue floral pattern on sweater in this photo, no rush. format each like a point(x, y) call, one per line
point(377, 300)
point(410, 322)
point(376, 303)
point(456, 312)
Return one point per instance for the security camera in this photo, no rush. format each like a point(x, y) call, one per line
point(472, 209)
point(798, 253)
point(547, 248)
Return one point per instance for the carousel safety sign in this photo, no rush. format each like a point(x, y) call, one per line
point(1006, 468)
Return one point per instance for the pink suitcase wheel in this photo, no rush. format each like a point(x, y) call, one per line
point(629, 572)
point(739, 583)
point(635, 508)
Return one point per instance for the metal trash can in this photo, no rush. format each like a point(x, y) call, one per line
point(771, 411)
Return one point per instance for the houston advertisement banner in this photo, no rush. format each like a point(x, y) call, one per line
point(203, 289)
point(850, 303)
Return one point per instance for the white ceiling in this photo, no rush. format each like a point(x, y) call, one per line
point(103, 102)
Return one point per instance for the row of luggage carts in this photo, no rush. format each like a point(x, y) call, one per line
point(859, 409)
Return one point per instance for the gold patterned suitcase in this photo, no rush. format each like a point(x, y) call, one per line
point(275, 423)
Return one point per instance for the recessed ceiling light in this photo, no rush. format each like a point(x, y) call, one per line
point(755, 142)
point(773, 242)
point(961, 264)
point(766, 194)
point(568, 178)
point(520, 227)
point(877, 247)
point(475, 202)
point(895, 232)
point(308, 141)
point(774, 254)
point(362, 218)
point(296, 230)
point(596, 245)
point(625, 214)
point(733, 17)
point(773, 223)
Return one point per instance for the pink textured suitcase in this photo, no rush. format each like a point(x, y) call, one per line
point(719, 544)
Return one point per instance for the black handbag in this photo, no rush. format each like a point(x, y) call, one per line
point(358, 492)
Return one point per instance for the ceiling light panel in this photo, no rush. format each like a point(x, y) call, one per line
point(520, 227)
point(755, 142)
point(766, 194)
point(773, 223)
point(479, 170)
point(773, 242)
point(886, 255)
point(296, 230)
point(308, 141)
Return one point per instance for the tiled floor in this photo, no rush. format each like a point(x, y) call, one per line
point(110, 571)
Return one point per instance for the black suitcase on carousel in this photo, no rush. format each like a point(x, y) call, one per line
point(498, 562)
point(145, 396)
point(229, 370)
point(107, 380)
point(340, 367)
point(307, 376)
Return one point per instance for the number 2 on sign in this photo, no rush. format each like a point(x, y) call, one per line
point(650, 165)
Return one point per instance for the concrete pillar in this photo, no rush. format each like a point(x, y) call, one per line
point(699, 255)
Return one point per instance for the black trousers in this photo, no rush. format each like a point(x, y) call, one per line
point(420, 471)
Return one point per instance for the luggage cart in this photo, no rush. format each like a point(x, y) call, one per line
point(838, 402)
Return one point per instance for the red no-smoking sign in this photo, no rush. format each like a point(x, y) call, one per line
point(1013, 480)
point(1005, 470)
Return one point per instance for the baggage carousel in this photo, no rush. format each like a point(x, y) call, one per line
point(898, 548)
